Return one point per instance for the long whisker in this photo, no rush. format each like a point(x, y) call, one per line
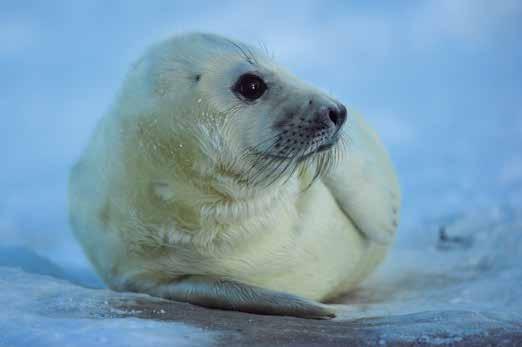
point(260, 165)
point(249, 57)
point(267, 166)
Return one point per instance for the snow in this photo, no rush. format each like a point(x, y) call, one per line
point(474, 267)
point(443, 89)
point(39, 310)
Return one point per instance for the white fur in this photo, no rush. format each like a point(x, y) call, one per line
point(156, 195)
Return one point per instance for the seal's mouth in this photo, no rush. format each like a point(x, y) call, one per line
point(306, 146)
point(321, 148)
point(271, 164)
point(306, 155)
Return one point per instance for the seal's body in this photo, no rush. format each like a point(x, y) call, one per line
point(222, 180)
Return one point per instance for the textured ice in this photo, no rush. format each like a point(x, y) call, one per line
point(39, 310)
point(465, 264)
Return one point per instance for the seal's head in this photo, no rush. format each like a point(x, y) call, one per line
point(249, 115)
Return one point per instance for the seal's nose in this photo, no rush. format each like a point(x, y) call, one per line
point(335, 115)
point(338, 115)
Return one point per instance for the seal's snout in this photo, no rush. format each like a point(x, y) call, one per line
point(314, 129)
point(334, 115)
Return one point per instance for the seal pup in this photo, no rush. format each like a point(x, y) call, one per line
point(220, 179)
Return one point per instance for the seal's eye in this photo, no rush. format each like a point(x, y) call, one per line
point(250, 86)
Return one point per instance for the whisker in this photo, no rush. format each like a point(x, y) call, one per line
point(249, 58)
point(265, 168)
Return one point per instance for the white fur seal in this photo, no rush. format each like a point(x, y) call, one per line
point(220, 179)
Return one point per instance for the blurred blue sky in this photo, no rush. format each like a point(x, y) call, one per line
point(440, 80)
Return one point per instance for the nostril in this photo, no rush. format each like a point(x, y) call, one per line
point(333, 115)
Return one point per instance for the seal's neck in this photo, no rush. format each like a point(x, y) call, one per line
point(222, 202)
point(236, 202)
point(196, 178)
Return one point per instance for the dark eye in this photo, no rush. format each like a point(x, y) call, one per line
point(250, 86)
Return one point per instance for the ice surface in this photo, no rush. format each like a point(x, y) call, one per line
point(470, 263)
point(39, 310)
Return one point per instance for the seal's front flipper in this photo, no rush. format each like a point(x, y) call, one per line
point(232, 295)
point(364, 183)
